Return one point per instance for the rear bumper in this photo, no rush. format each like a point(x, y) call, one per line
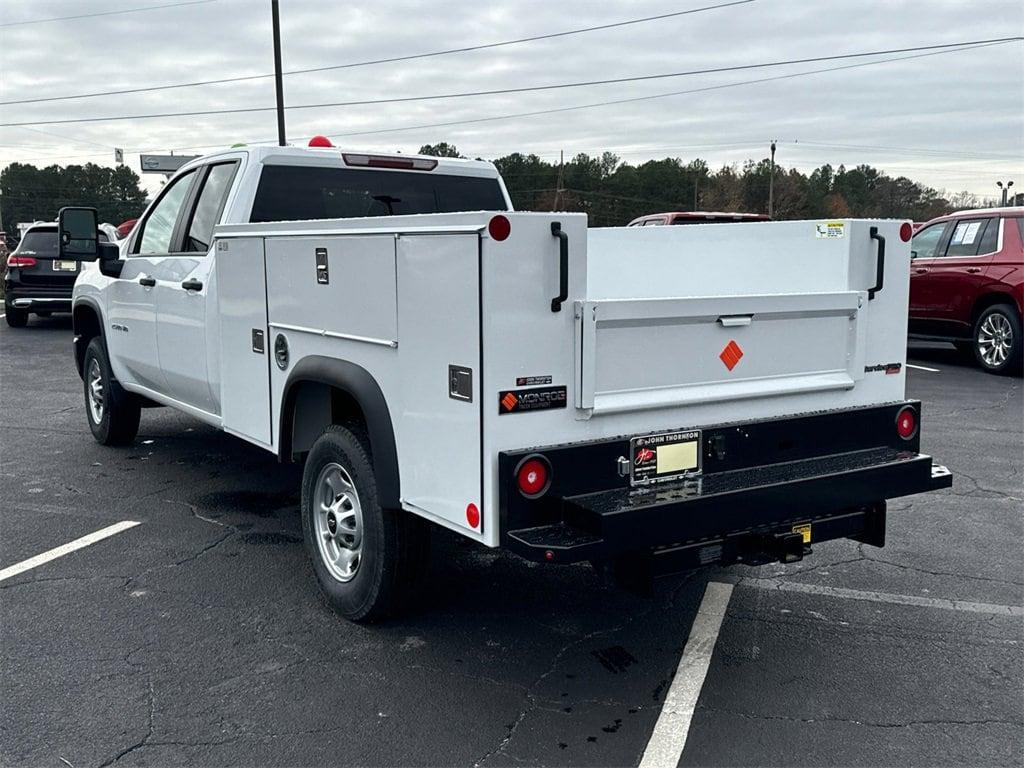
point(752, 512)
point(39, 298)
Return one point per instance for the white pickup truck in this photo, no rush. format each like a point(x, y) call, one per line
point(648, 399)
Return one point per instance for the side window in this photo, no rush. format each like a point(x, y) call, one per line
point(966, 237)
point(926, 241)
point(158, 228)
point(209, 206)
point(990, 239)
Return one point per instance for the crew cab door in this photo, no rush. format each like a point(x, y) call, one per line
point(131, 305)
point(185, 284)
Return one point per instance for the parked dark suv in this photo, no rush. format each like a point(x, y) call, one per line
point(967, 284)
point(38, 286)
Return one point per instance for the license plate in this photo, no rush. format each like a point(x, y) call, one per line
point(663, 457)
point(65, 266)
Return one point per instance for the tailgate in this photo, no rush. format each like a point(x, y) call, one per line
point(635, 354)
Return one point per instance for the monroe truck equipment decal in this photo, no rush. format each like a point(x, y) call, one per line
point(518, 400)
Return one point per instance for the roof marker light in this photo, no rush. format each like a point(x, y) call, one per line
point(320, 141)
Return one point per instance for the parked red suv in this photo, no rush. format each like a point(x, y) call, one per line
point(967, 284)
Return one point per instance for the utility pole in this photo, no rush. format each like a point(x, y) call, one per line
point(771, 186)
point(1006, 190)
point(278, 81)
point(558, 184)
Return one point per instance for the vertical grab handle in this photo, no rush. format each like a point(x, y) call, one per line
point(563, 266)
point(880, 267)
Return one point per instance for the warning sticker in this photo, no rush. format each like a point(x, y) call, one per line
point(804, 531)
point(829, 230)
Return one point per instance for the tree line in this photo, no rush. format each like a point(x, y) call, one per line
point(610, 191)
point(613, 193)
point(28, 193)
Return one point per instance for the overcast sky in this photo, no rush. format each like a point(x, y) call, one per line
point(953, 121)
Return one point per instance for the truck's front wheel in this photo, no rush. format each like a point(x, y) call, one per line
point(365, 558)
point(113, 413)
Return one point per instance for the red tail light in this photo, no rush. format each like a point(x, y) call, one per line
point(499, 228)
point(533, 475)
point(906, 231)
point(20, 261)
point(906, 423)
point(473, 515)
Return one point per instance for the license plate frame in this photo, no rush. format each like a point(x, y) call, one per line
point(680, 452)
point(64, 265)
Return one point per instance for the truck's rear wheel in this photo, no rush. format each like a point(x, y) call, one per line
point(113, 414)
point(366, 559)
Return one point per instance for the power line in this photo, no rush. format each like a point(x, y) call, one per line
point(104, 13)
point(613, 102)
point(523, 89)
point(632, 99)
point(465, 49)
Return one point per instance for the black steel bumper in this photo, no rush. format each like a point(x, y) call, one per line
point(742, 507)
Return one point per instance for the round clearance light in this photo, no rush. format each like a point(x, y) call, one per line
point(320, 141)
point(906, 423)
point(499, 228)
point(533, 476)
point(906, 231)
point(473, 515)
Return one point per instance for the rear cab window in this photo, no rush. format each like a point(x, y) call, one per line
point(297, 193)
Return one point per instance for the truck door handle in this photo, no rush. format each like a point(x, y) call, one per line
point(920, 270)
point(563, 266)
point(192, 285)
point(974, 270)
point(880, 267)
point(147, 281)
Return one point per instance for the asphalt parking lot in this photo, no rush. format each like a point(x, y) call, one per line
point(197, 637)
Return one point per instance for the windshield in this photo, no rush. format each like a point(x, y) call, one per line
point(294, 193)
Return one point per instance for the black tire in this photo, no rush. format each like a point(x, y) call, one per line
point(393, 543)
point(1003, 321)
point(16, 318)
point(119, 412)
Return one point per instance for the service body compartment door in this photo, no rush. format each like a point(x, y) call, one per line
point(244, 339)
point(439, 363)
point(655, 353)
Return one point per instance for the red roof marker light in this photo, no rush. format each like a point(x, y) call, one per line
point(320, 141)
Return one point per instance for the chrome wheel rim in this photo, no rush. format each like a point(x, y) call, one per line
point(96, 398)
point(338, 519)
point(995, 339)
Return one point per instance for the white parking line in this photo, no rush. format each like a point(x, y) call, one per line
point(886, 597)
point(673, 726)
point(923, 368)
point(66, 549)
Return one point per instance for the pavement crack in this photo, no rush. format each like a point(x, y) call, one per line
point(864, 723)
point(144, 741)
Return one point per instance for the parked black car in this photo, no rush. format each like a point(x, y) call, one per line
point(34, 285)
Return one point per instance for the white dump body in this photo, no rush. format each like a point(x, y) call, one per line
point(663, 328)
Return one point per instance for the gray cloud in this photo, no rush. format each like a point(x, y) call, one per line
point(965, 108)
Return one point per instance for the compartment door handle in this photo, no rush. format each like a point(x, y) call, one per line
point(563, 266)
point(880, 267)
point(735, 321)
